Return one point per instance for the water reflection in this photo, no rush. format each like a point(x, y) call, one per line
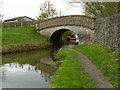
point(27, 70)
point(47, 68)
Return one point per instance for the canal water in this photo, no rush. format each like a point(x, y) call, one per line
point(34, 69)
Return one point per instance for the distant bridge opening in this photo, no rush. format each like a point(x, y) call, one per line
point(56, 37)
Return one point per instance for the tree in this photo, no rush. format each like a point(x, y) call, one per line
point(98, 9)
point(101, 9)
point(47, 11)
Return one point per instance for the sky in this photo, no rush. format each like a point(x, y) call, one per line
point(30, 8)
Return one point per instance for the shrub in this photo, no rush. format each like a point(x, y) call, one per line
point(66, 35)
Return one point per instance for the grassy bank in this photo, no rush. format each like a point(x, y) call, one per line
point(22, 39)
point(106, 60)
point(71, 73)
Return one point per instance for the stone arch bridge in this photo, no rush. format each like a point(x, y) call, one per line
point(53, 28)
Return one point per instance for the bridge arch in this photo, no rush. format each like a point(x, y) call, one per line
point(82, 25)
point(56, 37)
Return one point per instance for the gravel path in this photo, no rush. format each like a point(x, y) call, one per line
point(92, 70)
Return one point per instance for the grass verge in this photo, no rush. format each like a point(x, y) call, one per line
point(22, 39)
point(105, 60)
point(71, 73)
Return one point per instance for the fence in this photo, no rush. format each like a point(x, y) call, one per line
point(18, 24)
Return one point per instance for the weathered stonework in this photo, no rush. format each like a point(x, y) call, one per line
point(107, 32)
point(71, 20)
point(81, 25)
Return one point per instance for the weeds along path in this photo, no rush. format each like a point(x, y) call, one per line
point(92, 70)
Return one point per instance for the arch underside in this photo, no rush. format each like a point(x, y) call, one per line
point(55, 33)
point(56, 37)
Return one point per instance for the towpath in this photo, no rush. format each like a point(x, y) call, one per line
point(91, 69)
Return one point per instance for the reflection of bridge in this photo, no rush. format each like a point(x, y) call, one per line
point(55, 27)
point(47, 65)
point(46, 71)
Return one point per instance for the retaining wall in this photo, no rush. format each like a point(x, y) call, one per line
point(107, 32)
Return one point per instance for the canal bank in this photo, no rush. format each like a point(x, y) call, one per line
point(75, 71)
point(71, 73)
point(22, 39)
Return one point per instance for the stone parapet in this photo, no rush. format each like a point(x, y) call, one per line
point(72, 20)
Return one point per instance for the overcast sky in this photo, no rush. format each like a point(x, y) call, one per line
point(30, 8)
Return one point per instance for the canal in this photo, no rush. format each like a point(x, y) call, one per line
point(34, 69)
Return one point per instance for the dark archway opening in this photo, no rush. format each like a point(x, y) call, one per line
point(56, 38)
